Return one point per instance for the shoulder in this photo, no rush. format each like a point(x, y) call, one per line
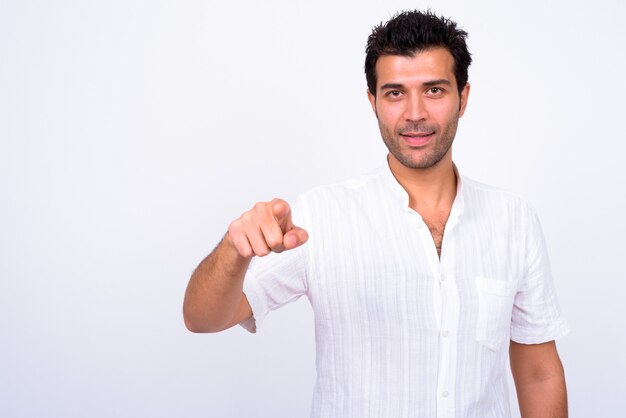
point(345, 190)
point(339, 200)
point(488, 194)
point(496, 203)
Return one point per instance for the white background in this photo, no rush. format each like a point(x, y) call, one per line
point(132, 133)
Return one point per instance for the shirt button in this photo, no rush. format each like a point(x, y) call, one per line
point(444, 334)
point(445, 393)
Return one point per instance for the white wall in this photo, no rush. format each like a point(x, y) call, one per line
point(132, 132)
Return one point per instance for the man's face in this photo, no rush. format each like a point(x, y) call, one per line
point(418, 107)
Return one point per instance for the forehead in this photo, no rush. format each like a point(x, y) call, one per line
point(431, 64)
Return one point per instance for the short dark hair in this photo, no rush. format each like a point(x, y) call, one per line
point(410, 32)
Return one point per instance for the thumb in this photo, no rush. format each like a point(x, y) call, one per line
point(295, 238)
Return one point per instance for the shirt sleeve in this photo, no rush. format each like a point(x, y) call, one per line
point(536, 314)
point(275, 280)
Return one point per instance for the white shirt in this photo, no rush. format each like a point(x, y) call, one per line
point(400, 332)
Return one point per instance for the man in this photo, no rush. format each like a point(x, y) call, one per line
point(422, 281)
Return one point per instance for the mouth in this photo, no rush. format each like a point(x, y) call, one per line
point(416, 139)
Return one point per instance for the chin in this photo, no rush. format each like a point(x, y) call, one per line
point(424, 162)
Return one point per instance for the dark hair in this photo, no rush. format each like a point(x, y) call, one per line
point(413, 31)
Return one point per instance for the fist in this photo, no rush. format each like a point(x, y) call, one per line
point(265, 228)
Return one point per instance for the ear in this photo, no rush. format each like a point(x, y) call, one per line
point(372, 100)
point(464, 96)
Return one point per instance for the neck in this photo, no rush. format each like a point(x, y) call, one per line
point(429, 189)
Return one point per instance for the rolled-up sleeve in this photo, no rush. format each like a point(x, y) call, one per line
point(537, 316)
point(275, 280)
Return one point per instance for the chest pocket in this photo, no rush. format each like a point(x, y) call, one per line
point(495, 306)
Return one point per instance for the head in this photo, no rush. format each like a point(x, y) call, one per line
point(416, 70)
point(408, 33)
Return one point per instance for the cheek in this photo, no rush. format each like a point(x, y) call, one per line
point(444, 112)
point(389, 115)
point(441, 107)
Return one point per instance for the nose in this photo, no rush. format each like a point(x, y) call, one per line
point(415, 109)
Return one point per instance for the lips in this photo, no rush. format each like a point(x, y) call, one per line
point(415, 133)
point(417, 139)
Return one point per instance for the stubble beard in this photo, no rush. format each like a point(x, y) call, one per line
point(427, 158)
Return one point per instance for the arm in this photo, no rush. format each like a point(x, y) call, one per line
point(214, 300)
point(539, 380)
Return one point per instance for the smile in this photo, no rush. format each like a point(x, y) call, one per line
point(416, 139)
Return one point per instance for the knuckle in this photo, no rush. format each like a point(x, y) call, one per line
point(274, 242)
point(263, 252)
point(259, 206)
point(247, 217)
point(234, 227)
point(247, 253)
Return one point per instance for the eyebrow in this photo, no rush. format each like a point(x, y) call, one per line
point(391, 86)
point(437, 82)
point(429, 83)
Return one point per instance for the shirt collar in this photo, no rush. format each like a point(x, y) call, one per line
point(401, 195)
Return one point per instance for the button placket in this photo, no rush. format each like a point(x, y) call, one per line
point(447, 342)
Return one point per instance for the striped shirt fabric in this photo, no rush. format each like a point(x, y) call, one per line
point(400, 331)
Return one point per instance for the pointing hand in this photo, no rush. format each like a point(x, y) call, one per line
point(265, 228)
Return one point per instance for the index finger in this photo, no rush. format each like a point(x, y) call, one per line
point(282, 213)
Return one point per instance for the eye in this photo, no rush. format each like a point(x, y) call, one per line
point(435, 91)
point(394, 93)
